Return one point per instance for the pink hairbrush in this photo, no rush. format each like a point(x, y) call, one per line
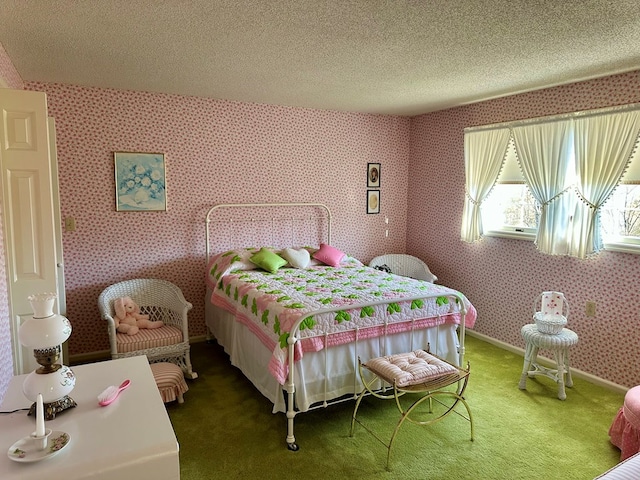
point(111, 393)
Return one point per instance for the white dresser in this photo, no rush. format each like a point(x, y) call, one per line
point(130, 439)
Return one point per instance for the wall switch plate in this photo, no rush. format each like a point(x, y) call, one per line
point(590, 310)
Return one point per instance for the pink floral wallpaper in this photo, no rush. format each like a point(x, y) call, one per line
point(216, 152)
point(9, 76)
point(502, 277)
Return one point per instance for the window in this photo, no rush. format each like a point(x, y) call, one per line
point(620, 215)
point(577, 167)
point(510, 210)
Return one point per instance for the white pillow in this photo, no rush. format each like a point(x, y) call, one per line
point(297, 258)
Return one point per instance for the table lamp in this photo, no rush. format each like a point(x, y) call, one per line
point(45, 332)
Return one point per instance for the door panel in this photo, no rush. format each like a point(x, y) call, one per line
point(27, 203)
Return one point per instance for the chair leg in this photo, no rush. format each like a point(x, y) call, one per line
point(189, 373)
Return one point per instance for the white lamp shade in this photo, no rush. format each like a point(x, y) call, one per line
point(52, 386)
point(45, 332)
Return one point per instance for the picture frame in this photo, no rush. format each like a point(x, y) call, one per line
point(373, 175)
point(373, 201)
point(140, 182)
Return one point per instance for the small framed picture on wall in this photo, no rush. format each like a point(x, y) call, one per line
point(373, 201)
point(373, 175)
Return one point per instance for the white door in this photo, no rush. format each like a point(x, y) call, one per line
point(27, 209)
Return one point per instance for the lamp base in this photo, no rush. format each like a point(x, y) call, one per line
point(54, 408)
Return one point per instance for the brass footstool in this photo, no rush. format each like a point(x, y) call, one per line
point(412, 372)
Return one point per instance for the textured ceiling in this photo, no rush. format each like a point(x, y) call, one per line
point(401, 57)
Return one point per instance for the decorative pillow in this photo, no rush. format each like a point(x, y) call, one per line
point(329, 255)
point(268, 260)
point(297, 258)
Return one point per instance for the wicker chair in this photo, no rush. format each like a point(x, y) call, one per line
point(405, 265)
point(161, 300)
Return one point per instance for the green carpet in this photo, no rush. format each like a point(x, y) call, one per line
point(226, 429)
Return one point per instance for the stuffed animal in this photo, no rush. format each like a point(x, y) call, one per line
point(128, 317)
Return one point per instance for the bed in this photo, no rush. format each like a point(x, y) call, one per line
point(297, 333)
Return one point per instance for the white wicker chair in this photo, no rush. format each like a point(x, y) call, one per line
point(161, 300)
point(405, 265)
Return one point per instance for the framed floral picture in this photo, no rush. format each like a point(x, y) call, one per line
point(373, 175)
point(373, 201)
point(140, 182)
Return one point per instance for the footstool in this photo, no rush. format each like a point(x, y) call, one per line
point(558, 343)
point(625, 429)
point(170, 381)
point(413, 372)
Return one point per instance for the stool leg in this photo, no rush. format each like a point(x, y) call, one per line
point(355, 411)
point(560, 364)
point(569, 382)
point(530, 354)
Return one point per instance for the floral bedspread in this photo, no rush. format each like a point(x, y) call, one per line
point(367, 303)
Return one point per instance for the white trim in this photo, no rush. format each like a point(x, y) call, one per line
point(102, 355)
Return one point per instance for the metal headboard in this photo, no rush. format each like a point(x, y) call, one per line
point(262, 205)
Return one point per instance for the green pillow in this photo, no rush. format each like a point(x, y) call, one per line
point(268, 260)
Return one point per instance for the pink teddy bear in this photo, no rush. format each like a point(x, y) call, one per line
point(128, 317)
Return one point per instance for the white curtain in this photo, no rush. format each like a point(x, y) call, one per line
point(544, 151)
point(603, 148)
point(484, 154)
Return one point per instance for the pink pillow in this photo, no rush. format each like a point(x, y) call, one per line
point(329, 255)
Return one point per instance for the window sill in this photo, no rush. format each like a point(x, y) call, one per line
point(622, 248)
point(512, 234)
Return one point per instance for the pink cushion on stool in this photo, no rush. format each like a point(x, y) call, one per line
point(170, 381)
point(625, 429)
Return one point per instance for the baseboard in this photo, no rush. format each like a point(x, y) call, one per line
point(90, 357)
point(548, 362)
point(105, 355)
point(101, 355)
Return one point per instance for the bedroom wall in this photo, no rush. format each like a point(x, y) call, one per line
point(502, 277)
point(216, 152)
point(9, 78)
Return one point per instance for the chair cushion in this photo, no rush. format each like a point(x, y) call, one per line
point(410, 368)
point(148, 338)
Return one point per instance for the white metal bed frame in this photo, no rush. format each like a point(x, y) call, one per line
point(222, 206)
point(290, 386)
